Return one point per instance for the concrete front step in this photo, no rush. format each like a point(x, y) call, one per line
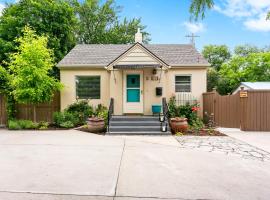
point(134, 123)
point(134, 128)
point(134, 118)
point(152, 133)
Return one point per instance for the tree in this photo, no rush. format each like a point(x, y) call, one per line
point(198, 8)
point(30, 67)
point(216, 55)
point(245, 50)
point(253, 67)
point(100, 24)
point(55, 18)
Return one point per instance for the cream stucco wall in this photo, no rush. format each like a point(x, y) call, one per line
point(68, 94)
point(112, 86)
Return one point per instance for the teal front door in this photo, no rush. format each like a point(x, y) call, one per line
point(133, 88)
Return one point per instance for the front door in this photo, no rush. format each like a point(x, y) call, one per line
point(133, 99)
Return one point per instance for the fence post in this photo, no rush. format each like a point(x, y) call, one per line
point(242, 110)
point(214, 103)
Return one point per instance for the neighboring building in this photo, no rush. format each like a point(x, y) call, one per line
point(131, 74)
point(253, 86)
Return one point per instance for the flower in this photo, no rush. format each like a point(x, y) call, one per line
point(195, 108)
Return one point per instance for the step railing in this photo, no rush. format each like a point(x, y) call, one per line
point(110, 113)
point(165, 111)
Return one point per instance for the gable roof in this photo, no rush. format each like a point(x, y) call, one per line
point(143, 48)
point(104, 54)
point(256, 85)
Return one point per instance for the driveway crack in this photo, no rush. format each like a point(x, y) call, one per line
point(119, 169)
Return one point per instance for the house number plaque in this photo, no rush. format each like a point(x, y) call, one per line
point(243, 94)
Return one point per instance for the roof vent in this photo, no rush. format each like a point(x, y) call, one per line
point(138, 36)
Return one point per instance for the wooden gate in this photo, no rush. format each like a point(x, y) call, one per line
point(250, 111)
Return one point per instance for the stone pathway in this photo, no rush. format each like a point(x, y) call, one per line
point(224, 145)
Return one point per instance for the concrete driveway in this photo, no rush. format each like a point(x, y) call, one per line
point(70, 165)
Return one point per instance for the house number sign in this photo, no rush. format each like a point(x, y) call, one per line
point(243, 94)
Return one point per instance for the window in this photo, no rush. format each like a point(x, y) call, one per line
point(88, 87)
point(182, 83)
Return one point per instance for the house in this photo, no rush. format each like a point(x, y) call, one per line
point(253, 86)
point(136, 76)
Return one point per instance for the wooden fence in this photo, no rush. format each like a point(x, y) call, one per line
point(44, 111)
point(248, 110)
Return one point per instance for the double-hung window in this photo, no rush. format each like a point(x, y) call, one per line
point(88, 87)
point(183, 83)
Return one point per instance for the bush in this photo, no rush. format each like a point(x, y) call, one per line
point(188, 111)
point(13, 125)
point(62, 117)
point(43, 125)
point(27, 124)
point(81, 110)
point(101, 112)
point(67, 124)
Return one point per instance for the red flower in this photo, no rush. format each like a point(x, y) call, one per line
point(195, 108)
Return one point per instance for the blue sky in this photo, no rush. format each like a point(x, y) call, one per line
point(231, 22)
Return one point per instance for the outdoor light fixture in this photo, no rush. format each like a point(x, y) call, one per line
point(164, 127)
point(154, 71)
point(161, 118)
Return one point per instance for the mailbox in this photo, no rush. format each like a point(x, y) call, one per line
point(158, 91)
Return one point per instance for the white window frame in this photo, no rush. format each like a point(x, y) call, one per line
point(176, 84)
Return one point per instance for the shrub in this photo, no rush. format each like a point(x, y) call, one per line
point(13, 125)
point(62, 117)
point(67, 124)
point(27, 124)
point(188, 111)
point(81, 109)
point(197, 124)
point(101, 112)
point(43, 125)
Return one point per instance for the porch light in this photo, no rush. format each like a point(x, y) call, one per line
point(154, 71)
point(161, 118)
point(163, 127)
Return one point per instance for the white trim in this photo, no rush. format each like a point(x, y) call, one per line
point(133, 108)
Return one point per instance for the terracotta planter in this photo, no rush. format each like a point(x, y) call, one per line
point(179, 124)
point(95, 125)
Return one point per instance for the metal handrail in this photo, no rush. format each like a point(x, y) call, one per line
point(110, 113)
point(165, 110)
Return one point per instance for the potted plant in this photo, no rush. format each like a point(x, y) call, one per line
point(179, 124)
point(96, 123)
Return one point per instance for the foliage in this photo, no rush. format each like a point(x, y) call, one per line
point(198, 7)
point(67, 124)
point(81, 109)
point(55, 19)
point(197, 124)
point(101, 112)
point(22, 124)
point(188, 111)
point(43, 125)
point(253, 67)
point(30, 66)
point(212, 79)
point(216, 55)
point(59, 118)
point(100, 24)
point(245, 50)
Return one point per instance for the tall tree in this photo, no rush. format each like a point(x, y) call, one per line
point(216, 55)
point(100, 23)
point(55, 18)
point(245, 50)
point(30, 66)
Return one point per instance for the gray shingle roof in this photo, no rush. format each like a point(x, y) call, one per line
point(103, 54)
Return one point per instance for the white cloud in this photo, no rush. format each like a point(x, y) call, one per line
point(258, 24)
point(2, 6)
point(251, 12)
point(194, 27)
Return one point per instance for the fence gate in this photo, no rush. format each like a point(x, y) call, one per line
point(3, 113)
point(248, 110)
